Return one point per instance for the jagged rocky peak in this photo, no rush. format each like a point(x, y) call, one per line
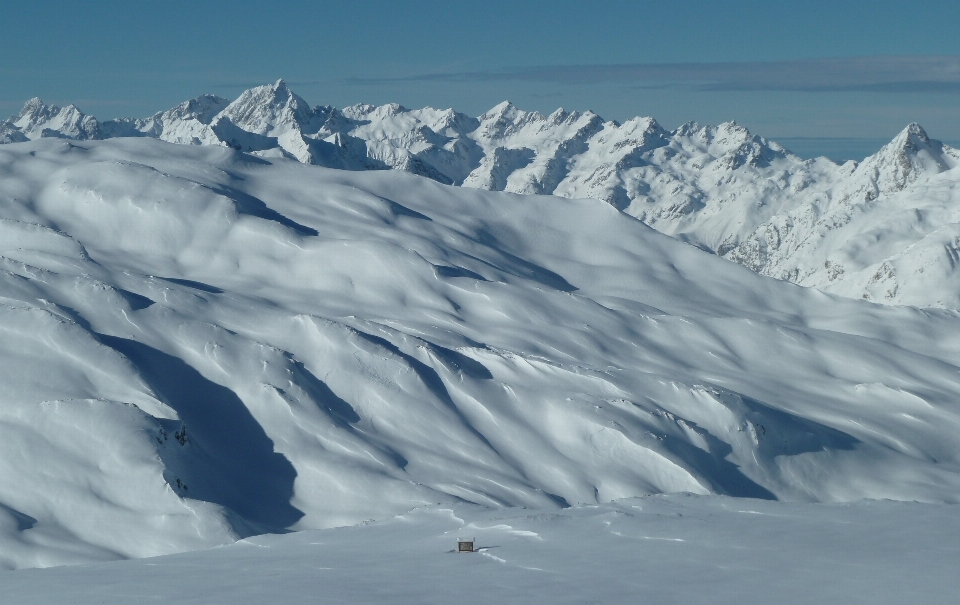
point(633, 138)
point(37, 119)
point(561, 116)
point(358, 111)
point(33, 110)
point(504, 109)
point(911, 154)
point(694, 136)
point(913, 140)
point(276, 94)
point(388, 110)
point(34, 113)
point(368, 112)
point(265, 109)
point(447, 121)
point(912, 137)
point(641, 124)
point(586, 119)
point(642, 130)
point(731, 144)
point(334, 121)
point(505, 119)
point(730, 134)
point(688, 129)
point(203, 109)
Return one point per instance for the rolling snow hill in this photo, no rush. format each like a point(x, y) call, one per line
point(201, 344)
point(885, 230)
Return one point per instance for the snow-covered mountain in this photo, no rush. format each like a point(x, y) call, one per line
point(201, 344)
point(882, 230)
point(888, 232)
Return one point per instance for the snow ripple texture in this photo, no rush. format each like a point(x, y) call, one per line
point(885, 230)
point(201, 345)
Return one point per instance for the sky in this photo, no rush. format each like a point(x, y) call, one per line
point(815, 75)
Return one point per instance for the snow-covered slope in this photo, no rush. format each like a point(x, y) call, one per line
point(200, 344)
point(666, 549)
point(883, 230)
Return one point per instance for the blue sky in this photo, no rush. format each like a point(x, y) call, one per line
point(795, 71)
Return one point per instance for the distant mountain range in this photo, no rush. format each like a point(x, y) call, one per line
point(886, 229)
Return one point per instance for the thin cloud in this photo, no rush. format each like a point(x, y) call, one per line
point(254, 84)
point(889, 74)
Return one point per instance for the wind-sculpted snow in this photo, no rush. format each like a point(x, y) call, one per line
point(200, 345)
point(721, 188)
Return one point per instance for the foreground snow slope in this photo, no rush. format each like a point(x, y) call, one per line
point(670, 550)
point(884, 230)
point(200, 345)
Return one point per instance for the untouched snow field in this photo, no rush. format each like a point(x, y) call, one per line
point(199, 345)
point(672, 550)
